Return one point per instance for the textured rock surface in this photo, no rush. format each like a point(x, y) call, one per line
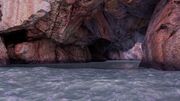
point(73, 54)
point(128, 20)
point(162, 43)
point(46, 51)
point(64, 19)
point(17, 12)
point(3, 54)
point(74, 30)
point(42, 51)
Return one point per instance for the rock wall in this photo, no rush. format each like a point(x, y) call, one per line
point(162, 42)
point(55, 31)
point(16, 12)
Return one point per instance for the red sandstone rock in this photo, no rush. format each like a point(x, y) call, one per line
point(72, 24)
point(3, 54)
point(78, 54)
point(70, 1)
point(42, 51)
point(73, 54)
point(45, 51)
point(61, 55)
point(16, 12)
point(34, 34)
point(103, 26)
point(65, 19)
point(162, 43)
point(82, 37)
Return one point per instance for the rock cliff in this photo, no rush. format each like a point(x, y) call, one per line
point(56, 31)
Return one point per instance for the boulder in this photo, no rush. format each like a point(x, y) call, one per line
point(162, 42)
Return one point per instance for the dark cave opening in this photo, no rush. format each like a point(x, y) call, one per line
point(10, 40)
point(15, 37)
point(128, 25)
point(98, 49)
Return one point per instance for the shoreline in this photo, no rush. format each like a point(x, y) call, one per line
point(110, 64)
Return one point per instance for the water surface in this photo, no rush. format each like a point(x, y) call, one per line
point(88, 84)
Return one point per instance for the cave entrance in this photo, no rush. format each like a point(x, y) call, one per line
point(15, 37)
point(98, 49)
point(10, 40)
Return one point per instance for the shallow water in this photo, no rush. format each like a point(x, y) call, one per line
point(80, 84)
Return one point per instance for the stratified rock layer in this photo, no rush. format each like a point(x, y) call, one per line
point(162, 43)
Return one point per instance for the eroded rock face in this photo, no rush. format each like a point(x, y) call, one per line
point(0, 13)
point(17, 12)
point(75, 30)
point(42, 51)
point(73, 54)
point(128, 19)
point(65, 18)
point(3, 54)
point(162, 43)
point(46, 51)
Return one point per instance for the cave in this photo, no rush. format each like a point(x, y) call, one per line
point(98, 49)
point(108, 30)
point(113, 30)
point(89, 50)
point(15, 37)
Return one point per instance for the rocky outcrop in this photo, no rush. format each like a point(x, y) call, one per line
point(128, 20)
point(64, 19)
point(16, 13)
point(48, 31)
point(46, 51)
point(42, 51)
point(162, 42)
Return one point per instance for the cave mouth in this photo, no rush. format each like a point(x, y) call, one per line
point(15, 37)
point(121, 27)
point(10, 40)
point(98, 49)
